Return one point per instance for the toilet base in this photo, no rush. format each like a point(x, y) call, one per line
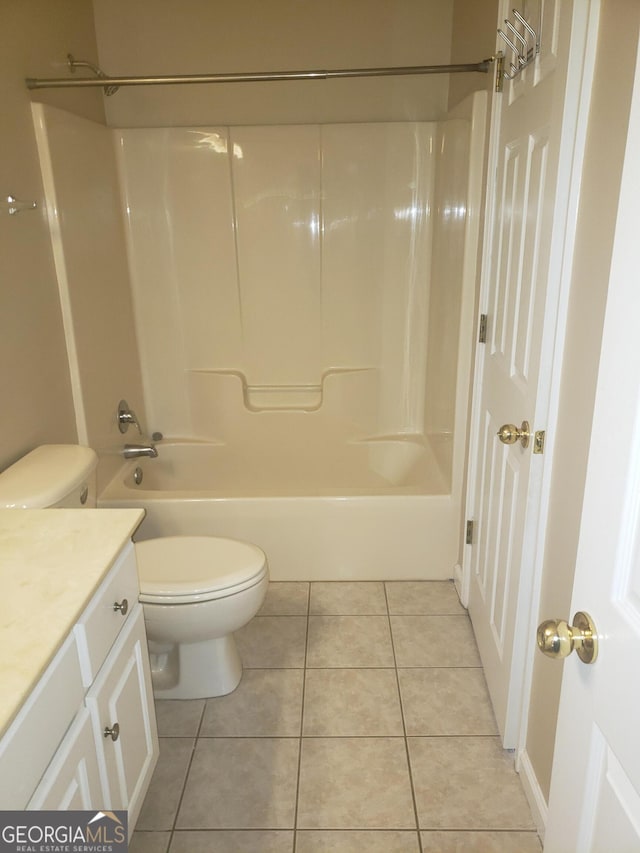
point(195, 670)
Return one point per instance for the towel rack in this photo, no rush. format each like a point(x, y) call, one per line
point(523, 41)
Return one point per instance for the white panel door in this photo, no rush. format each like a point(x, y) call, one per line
point(594, 805)
point(533, 138)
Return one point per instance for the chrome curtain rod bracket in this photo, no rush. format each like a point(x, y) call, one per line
point(111, 84)
point(523, 41)
point(14, 206)
point(79, 63)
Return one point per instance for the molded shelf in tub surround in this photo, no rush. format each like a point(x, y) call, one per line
point(51, 563)
point(305, 397)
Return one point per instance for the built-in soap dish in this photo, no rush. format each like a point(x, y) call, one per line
point(260, 398)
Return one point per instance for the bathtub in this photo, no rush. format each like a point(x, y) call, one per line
point(378, 509)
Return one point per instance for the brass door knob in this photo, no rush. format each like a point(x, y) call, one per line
point(557, 639)
point(509, 434)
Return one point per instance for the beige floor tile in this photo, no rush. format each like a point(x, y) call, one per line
point(466, 783)
point(351, 703)
point(357, 841)
point(347, 598)
point(179, 717)
point(349, 641)
point(423, 597)
point(161, 803)
point(480, 842)
point(226, 841)
point(452, 701)
point(286, 598)
point(149, 842)
point(241, 783)
point(273, 642)
point(434, 641)
point(266, 703)
point(354, 783)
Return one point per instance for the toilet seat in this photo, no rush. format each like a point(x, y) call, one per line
point(208, 567)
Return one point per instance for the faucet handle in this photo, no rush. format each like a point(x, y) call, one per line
point(126, 416)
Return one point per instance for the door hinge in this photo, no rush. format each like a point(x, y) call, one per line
point(538, 441)
point(499, 71)
point(469, 535)
point(482, 334)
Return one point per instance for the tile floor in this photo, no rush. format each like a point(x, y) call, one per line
point(362, 723)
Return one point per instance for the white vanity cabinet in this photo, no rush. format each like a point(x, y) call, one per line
point(86, 736)
point(121, 706)
point(72, 780)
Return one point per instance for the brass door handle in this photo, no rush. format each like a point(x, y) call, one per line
point(509, 434)
point(557, 639)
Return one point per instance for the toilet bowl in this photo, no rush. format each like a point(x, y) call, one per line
point(195, 592)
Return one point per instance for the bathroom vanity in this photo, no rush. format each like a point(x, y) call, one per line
point(77, 723)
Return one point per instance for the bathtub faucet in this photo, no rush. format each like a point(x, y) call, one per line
point(127, 416)
point(134, 451)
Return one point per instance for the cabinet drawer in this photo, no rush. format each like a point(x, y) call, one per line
point(101, 622)
point(32, 739)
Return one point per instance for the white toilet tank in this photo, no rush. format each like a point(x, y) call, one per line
point(52, 475)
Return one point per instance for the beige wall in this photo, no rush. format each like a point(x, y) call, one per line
point(607, 128)
point(199, 36)
point(82, 190)
point(473, 39)
point(34, 378)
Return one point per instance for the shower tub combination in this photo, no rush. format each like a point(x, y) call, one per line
point(314, 358)
point(357, 474)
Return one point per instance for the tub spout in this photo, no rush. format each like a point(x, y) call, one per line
point(133, 451)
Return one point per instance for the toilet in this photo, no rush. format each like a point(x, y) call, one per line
point(195, 590)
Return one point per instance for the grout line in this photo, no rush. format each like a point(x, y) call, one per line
point(404, 727)
point(184, 785)
point(304, 687)
point(345, 737)
point(186, 776)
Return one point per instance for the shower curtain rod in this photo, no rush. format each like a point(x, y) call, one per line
point(112, 83)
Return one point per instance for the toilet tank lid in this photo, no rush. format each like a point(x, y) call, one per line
point(46, 475)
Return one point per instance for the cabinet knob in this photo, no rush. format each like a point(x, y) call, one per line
point(113, 732)
point(122, 606)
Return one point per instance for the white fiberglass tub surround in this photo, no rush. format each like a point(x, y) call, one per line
point(303, 300)
point(323, 338)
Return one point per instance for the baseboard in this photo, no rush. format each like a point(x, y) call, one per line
point(533, 793)
point(457, 579)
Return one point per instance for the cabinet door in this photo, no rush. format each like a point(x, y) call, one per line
point(121, 695)
point(72, 780)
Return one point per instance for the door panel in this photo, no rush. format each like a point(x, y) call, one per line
point(594, 804)
point(521, 292)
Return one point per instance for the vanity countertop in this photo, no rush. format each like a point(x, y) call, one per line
point(51, 563)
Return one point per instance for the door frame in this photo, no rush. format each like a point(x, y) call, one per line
point(580, 70)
